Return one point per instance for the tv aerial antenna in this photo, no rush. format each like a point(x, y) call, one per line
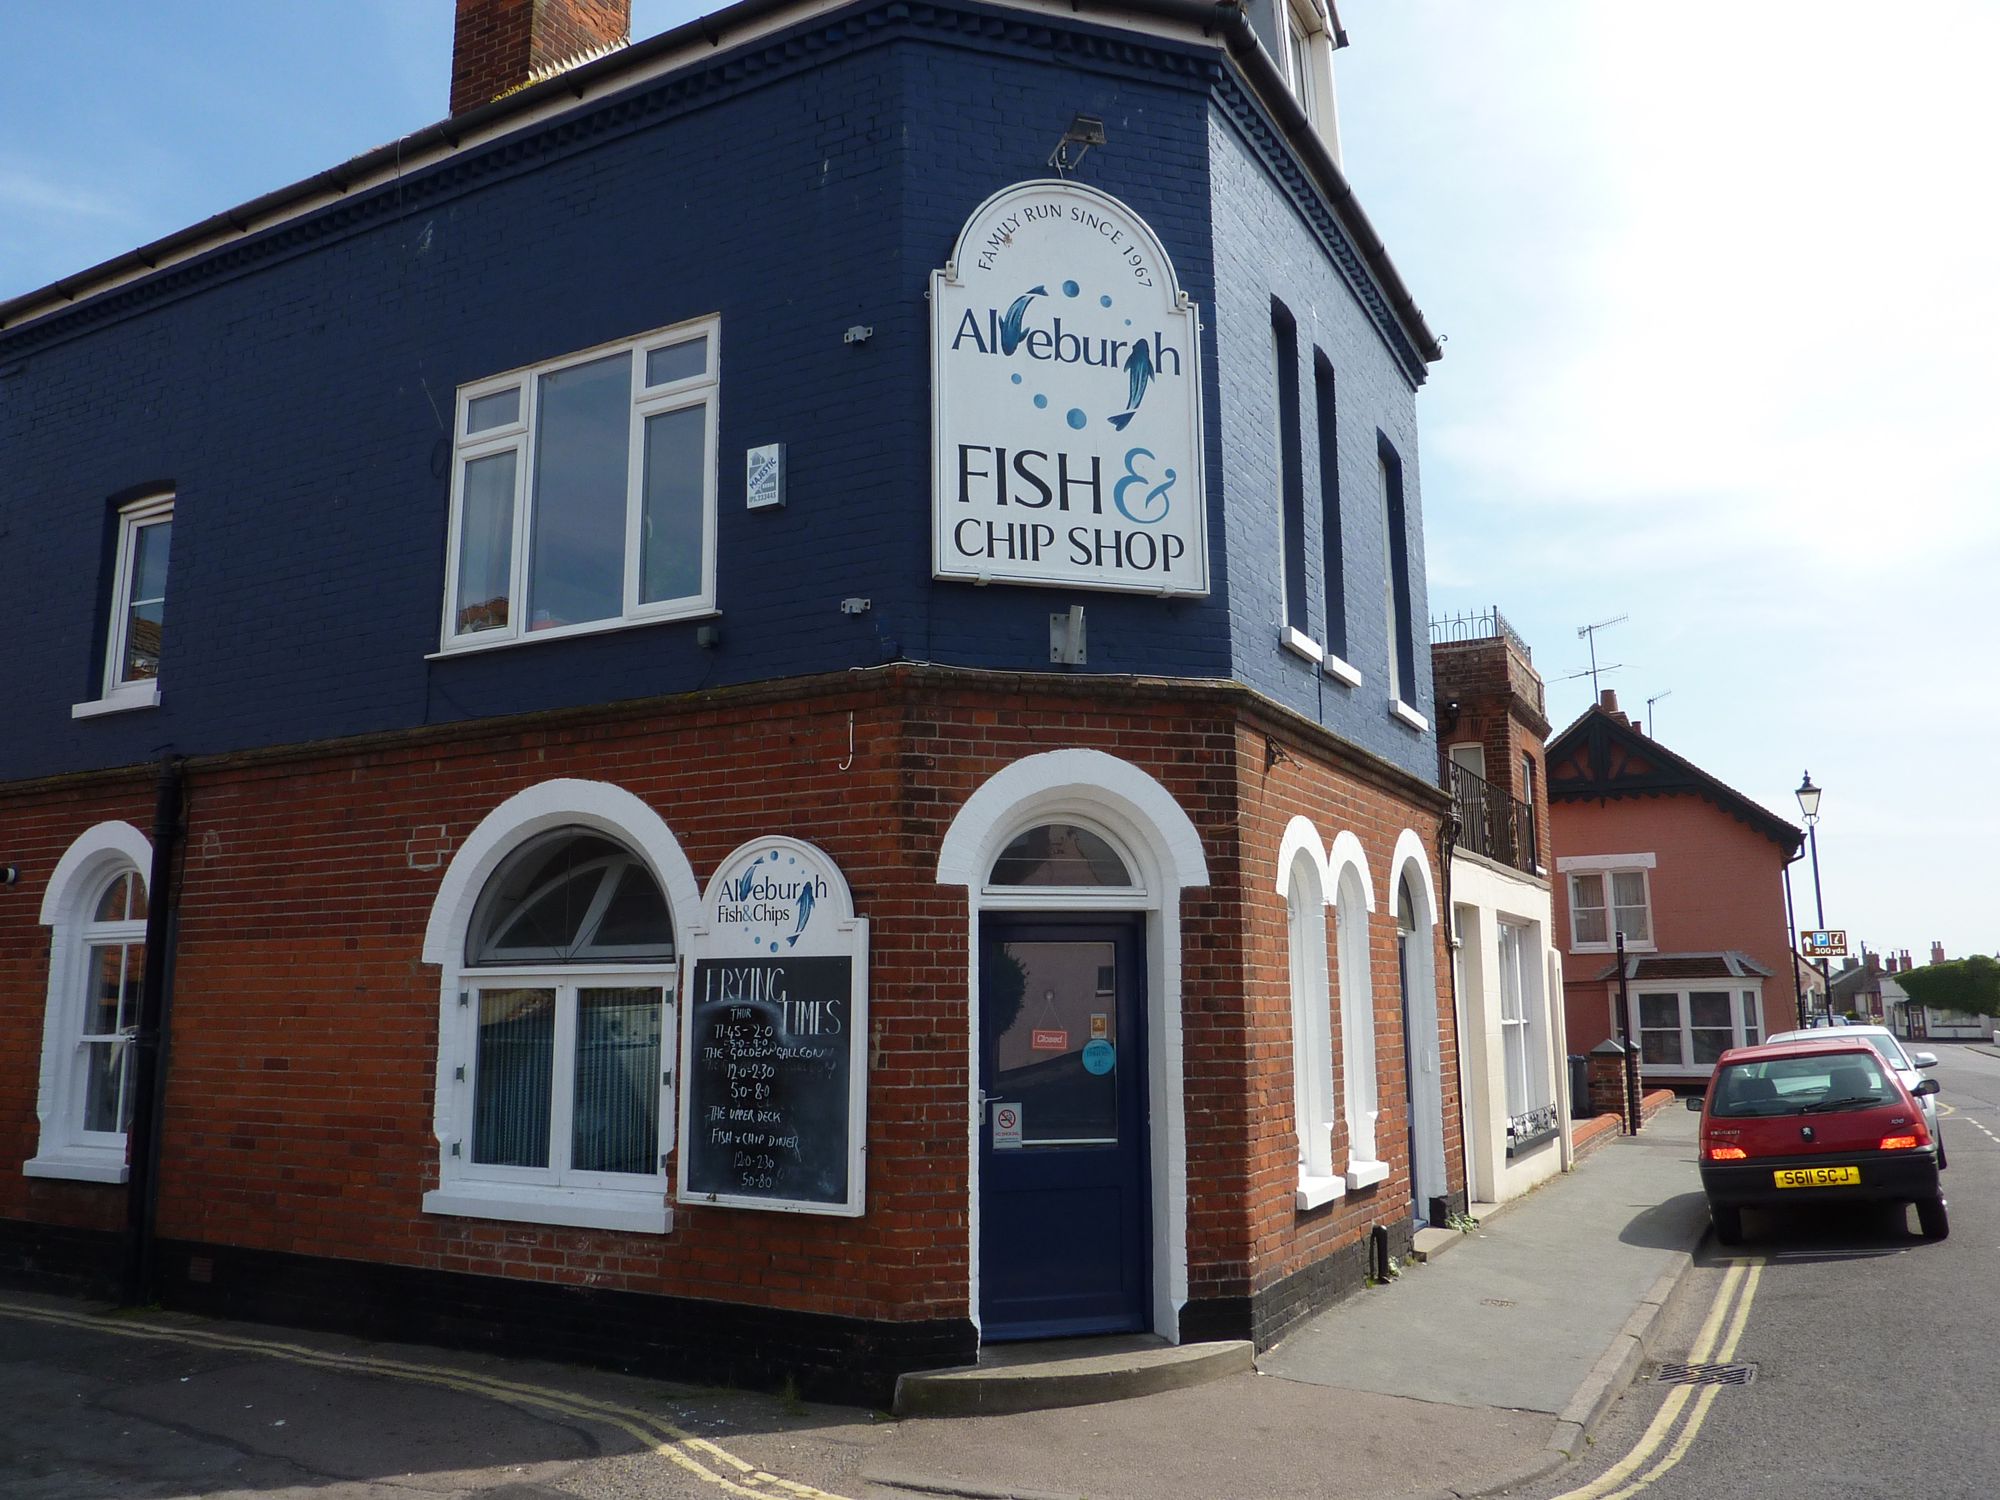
point(1589, 633)
point(1649, 710)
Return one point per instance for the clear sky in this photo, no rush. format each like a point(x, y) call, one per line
point(1719, 287)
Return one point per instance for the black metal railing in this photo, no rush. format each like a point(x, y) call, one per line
point(1531, 1129)
point(1492, 823)
point(1478, 625)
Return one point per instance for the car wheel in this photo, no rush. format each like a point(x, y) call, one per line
point(1728, 1224)
point(1932, 1218)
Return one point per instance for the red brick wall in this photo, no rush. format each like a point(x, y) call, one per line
point(299, 1101)
point(1718, 884)
point(496, 44)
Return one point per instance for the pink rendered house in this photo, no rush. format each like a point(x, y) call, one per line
point(1691, 873)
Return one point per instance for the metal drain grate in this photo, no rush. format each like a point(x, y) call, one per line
point(1707, 1374)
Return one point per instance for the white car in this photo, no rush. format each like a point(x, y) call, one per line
point(1908, 1066)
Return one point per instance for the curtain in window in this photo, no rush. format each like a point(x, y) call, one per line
point(615, 1114)
point(514, 1075)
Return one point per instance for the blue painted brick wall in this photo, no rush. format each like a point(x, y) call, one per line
point(1265, 249)
point(300, 403)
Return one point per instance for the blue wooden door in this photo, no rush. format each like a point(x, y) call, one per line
point(1064, 1236)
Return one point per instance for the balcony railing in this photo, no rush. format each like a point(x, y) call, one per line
point(1492, 823)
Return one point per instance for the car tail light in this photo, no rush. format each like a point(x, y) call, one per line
point(1730, 1153)
point(1899, 1143)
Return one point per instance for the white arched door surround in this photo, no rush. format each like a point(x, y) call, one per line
point(1413, 894)
point(1093, 788)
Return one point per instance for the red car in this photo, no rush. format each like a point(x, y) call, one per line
point(1816, 1121)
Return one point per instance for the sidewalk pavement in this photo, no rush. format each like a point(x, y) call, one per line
point(1466, 1375)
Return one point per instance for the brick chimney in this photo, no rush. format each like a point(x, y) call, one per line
point(1937, 952)
point(1608, 701)
point(500, 45)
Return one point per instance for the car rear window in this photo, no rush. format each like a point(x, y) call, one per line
point(1822, 1083)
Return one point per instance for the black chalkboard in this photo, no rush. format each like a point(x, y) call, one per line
point(770, 1062)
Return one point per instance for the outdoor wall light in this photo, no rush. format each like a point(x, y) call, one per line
point(1084, 132)
point(9, 874)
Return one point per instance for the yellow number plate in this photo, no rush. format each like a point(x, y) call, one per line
point(1819, 1177)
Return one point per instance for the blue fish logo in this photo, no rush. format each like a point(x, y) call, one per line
point(1011, 332)
point(805, 914)
point(1138, 375)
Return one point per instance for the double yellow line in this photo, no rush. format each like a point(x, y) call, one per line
point(1739, 1286)
point(696, 1455)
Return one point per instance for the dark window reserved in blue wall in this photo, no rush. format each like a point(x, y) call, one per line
point(1396, 573)
point(1331, 565)
point(1291, 463)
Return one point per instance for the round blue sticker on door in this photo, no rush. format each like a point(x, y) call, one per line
point(1099, 1056)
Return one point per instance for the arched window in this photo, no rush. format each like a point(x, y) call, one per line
point(1359, 1093)
point(95, 908)
point(1312, 1041)
point(1062, 855)
point(560, 951)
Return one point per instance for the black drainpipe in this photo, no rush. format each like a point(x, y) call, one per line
point(149, 1043)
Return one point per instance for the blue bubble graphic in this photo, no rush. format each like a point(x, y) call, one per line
point(774, 947)
point(1104, 302)
point(1128, 322)
point(1077, 418)
point(1070, 288)
point(1016, 379)
point(1042, 402)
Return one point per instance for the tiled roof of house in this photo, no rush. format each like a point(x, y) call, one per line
point(1728, 964)
point(1601, 754)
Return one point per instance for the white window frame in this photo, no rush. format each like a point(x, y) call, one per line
point(547, 1193)
point(1608, 866)
point(1302, 880)
point(104, 853)
point(1302, 41)
point(613, 1200)
point(518, 437)
point(118, 692)
point(1745, 997)
point(1354, 901)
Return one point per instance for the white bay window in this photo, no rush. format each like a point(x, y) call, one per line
point(583, 492)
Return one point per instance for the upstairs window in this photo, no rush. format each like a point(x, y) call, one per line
point(1596, 925)
point(1396, 604)
point(583, 492)
point(1333, 567)
point(138, 607)
point(1291, 474)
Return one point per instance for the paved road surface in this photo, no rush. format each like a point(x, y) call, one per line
point(1876, 1354)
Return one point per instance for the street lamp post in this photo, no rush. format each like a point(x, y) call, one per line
point(1808, 795)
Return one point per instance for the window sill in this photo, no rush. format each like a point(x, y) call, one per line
point(572, 1208)
point(1340, 671)
point(118, 700)
point(1630, 947)
point(1300, 644)
point(1317, 1192)
point(1361, 1174)
point(473, 645)
point(77, 1164)
point(1398, 709)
